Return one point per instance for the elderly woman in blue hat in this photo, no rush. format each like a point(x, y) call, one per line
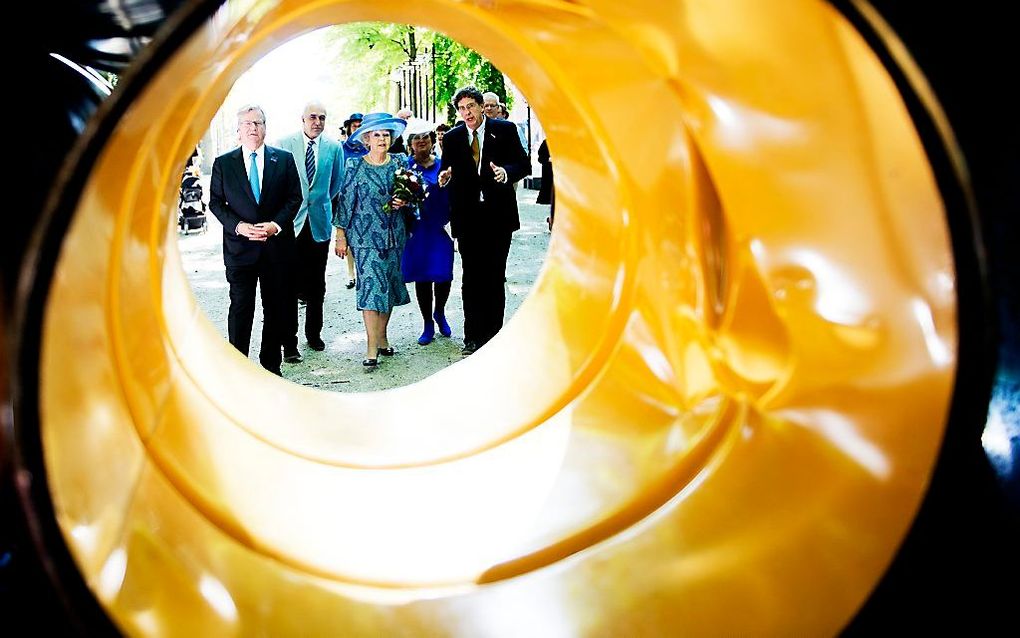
point(368, 222)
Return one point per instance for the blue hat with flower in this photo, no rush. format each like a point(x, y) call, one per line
point(380, 122)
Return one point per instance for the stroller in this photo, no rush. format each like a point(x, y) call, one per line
point(191, 208)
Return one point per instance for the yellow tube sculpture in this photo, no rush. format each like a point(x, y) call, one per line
point(716, 414)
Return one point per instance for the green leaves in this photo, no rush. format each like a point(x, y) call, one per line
point(458, 66)
point(378, 48)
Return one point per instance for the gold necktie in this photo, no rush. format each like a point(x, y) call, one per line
point(474, 147)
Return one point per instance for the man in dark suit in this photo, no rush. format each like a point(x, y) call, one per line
point(255, 192)
point(482, 158)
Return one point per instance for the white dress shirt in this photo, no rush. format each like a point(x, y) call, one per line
point(260, 161)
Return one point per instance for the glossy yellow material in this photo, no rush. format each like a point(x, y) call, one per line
point(716, 414)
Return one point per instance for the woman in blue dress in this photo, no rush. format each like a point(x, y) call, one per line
point(428, 256)
point(369, 222)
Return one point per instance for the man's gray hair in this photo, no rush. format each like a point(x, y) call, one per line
point(311, 104)
point(489, 95)
point(247, 108)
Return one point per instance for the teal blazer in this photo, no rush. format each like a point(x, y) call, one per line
point(316, 207)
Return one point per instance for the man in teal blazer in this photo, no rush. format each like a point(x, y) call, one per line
point(320, 167)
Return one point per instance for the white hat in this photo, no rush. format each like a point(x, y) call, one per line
point(416, 126)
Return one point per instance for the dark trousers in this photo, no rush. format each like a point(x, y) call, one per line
point(483, 258)
point(269, 276)
point(308, 283)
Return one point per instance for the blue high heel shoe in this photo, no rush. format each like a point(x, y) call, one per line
point(444, 328)
point(427, 335)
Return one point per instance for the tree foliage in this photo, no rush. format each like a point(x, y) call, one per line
point(376, 49)
point(458, 66)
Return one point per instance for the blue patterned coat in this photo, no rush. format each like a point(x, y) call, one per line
point(362, 206)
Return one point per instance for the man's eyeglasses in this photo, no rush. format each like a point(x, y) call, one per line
point(250, 123)
point(321, 118)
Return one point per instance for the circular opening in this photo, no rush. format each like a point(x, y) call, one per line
point(344, 70)
point(733, 371)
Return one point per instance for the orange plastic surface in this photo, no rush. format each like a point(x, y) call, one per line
point(716, 414)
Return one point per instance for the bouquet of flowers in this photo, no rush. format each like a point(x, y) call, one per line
point(409, 186)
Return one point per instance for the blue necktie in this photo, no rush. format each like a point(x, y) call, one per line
point(310, 161)
point(253, 177)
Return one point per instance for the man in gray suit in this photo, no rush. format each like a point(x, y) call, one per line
point(320, 168)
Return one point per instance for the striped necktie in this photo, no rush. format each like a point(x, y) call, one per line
point(310, 161)
point(253, 178)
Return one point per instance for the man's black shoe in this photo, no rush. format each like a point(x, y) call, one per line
point(317, 344)
point(291, 355)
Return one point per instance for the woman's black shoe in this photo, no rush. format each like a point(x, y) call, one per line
point(386, 352)
point(370, 363)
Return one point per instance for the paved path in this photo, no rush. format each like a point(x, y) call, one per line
point(339, 367)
